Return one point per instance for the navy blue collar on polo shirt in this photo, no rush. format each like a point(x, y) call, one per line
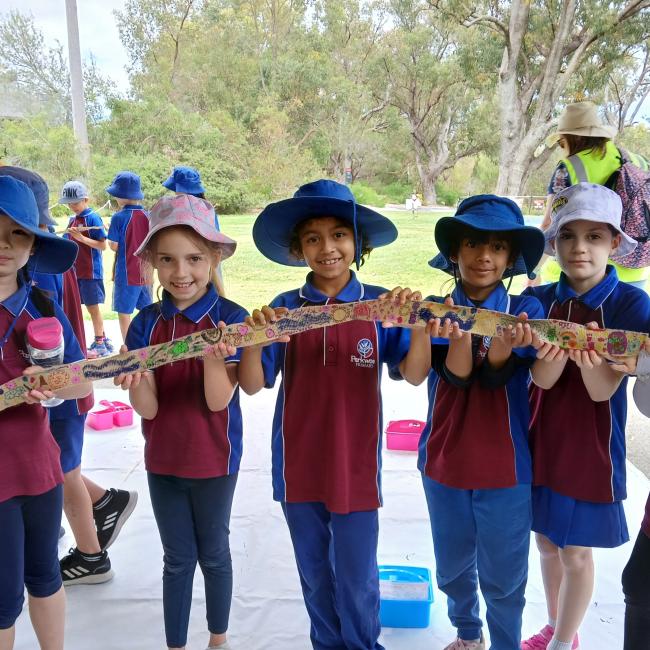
point(16, 302)
point(84, 213)
point(351, 292)
point(593, 298)
point(131, 206)
point(498, 300)
point(195, 312)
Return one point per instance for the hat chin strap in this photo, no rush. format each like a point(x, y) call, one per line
point(357, 237)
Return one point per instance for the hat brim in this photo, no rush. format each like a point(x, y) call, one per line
point(530, 241)
point(626, 246)
point(172, 185)
point(275, 225)
point(53, 254)
point(45, 218)
point(115, 191)
point(226, 244)
point(65, 201)
point(585, 131)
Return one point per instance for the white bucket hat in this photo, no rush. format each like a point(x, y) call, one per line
point(590, 202)
point(580, 118)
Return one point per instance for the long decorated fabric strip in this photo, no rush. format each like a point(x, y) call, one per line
point(483, 322)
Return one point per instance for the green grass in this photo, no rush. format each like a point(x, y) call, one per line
point(252, 281)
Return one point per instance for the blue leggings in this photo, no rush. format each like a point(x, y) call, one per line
point(29, 536)
point(193, 517)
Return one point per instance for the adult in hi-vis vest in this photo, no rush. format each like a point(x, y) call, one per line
point(591, 156)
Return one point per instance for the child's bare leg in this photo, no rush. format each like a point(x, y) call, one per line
point(552, 572)
point(78, 509)
point(7, 637)
point(96, 317)
point(48, 619)
point(125, 321)
point(576, 590)
point(216, 640)
point(95, 491)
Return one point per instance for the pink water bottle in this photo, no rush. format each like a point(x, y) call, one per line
point(45, 346)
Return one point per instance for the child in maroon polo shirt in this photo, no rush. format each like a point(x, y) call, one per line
point(191, 419)
point(326, 440)
point(31, 494)
point(578, 410)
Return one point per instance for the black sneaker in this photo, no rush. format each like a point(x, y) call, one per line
point(112, 514)
point(77, 569)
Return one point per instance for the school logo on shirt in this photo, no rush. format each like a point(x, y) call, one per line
point(364, 350)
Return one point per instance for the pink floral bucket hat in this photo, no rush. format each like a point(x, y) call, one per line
point(187, 210)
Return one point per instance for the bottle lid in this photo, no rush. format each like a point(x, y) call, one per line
point(44, 333)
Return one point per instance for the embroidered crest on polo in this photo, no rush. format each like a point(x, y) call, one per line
point(365, 350)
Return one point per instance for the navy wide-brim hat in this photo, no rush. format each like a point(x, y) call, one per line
point(53, 254)
point(490, 213)
point(38, 186)
point(274, 227)
point(126, 185)
point(185, 180)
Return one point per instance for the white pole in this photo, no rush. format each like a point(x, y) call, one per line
point(76, 84)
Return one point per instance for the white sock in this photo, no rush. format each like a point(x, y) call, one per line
point(552, 622)
point(559, 645)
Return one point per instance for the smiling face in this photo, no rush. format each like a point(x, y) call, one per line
point(16, 245)
point(184, 262)
point(327, 245)
point(482, 259)
point(583, 248)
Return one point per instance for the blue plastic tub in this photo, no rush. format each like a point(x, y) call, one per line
point(406, 596)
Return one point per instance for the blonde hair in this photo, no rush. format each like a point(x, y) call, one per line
point(205, 244)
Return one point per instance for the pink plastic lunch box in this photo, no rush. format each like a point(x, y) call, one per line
point(403, 435)
point(116, 414)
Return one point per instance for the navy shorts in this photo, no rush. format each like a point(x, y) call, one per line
point(127, 298)
point(92, 292)
point(29, 550)
point(69, 435)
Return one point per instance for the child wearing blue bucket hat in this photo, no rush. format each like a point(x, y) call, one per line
point(31, 494)
point(129, 227)
point(326, 433)
point(473, 453)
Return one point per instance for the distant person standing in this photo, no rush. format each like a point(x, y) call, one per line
point(128, 229)
point(88, 265)
point(591, 156)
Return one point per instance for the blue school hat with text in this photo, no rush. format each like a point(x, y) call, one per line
point(490, 213)
point(275, 226)
point(52, 254)
point(126, 185)
point(38, 186)
point(186, 180)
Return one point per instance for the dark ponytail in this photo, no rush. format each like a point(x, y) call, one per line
point(42, 299)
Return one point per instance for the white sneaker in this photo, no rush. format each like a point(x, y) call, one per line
point(460, 644)
point(223, 646)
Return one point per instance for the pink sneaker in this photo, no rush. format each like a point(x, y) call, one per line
point(541, 640)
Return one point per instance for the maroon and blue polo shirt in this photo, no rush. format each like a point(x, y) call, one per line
point(29, 462)
point(128, 229)
point(578, 445)
point(476, 435)
point(88, 264)
point(327, 427)
point(186, 438)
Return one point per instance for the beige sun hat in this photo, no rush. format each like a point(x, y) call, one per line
point(580, 118)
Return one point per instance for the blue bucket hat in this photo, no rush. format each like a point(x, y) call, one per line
point(323, 198)
point(53, 254)
point(126, 185)
point(186, 180)
point(38, 186)
point(490, 213)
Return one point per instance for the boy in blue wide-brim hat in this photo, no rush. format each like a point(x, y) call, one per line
point(473, 454)
point(326, 438)
point(129, 227)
